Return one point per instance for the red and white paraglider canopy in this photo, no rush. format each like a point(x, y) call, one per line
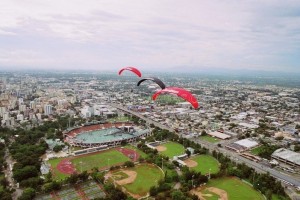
point(180, 92)
point(133, 69)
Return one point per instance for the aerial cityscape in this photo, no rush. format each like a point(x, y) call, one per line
point(169, 100)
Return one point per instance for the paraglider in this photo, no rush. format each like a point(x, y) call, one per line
point(133, 69)
point(180, 92)
point(154, 79)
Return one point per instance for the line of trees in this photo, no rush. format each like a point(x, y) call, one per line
point(5, 193)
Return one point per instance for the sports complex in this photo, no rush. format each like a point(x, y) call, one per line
point(104, 134)
point(101, 149)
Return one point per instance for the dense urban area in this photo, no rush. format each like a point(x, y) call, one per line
point(100, 136)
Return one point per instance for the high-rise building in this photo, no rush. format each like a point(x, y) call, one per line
point(6, 116)
point(21, 101)
point(2, 111)
point(47, 109)
point(39, 116)
point(20, 117)
point(32, 105)
point(22, 108)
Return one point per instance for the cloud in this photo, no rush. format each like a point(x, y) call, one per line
point(109, 34)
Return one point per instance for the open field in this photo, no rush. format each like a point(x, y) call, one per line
point(172, 149)
point(235, 189)
point(146, 177)
point(209, 139)
point(206, 162)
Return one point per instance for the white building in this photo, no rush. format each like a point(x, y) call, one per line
point(87, 111)
point(32, 105)
point(219, 135)
point(22, 108)
point(6, 116)
point(287, 156)
point(39, 116)
point(20, 117)
point(48, 109)
point(2, 111)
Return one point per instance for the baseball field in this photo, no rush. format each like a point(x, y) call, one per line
point(171, 149)
point(227, 189)
point(203, 164)
point(137, 180)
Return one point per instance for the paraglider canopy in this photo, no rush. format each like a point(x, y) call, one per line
point(133, 69)
point(154, 79)
point(179, 92)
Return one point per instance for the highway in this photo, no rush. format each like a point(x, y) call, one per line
point(233, 155)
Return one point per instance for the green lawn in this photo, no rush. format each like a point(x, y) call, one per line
point(209, 139)
point(101, 159)
point(256, 150)
point(55, 172)
point(147, 176)
point(235, 188)
point(173, 149)
point(206, 162)
point(118, 119)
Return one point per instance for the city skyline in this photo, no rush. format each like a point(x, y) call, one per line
point(171, 35)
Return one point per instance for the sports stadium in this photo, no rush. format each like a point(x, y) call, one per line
point(104, 134)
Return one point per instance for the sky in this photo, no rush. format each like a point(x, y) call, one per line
point(163, 35)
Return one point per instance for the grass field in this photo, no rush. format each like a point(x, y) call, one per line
point(119, 119)
point(256, 150)
point(89, 161)
point(206, 162)
point(209, 139)
point(99, 160)
point(235, 188)
point(147, 176)
point(55, 172)
point(173, 149)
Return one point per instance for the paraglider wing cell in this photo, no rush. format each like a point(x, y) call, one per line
point(133, 69)
point(154, 79)
point(179, 92)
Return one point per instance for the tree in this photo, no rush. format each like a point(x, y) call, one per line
point(178, 195)
point(129, 164)
point(153, 191)
point(57, 148)
point(188, 153)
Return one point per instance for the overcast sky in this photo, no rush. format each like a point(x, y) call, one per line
point(150, 34)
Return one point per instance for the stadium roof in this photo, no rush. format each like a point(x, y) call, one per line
point(287, 155)
point(106, 135)
point(247, 143)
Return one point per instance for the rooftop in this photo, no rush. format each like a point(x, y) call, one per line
point(287, 155)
